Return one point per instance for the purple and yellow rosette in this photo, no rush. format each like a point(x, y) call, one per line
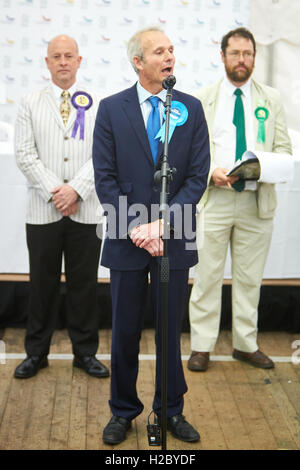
point(82, 101)
point(178, 117)
point(261, 114)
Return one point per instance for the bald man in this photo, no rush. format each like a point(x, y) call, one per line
point(53, 149)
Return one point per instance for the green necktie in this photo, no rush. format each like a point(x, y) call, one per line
point(239, 122)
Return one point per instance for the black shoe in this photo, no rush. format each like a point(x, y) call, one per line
point(30, 366)
point(115, 431)
point(91, 366)
point(181, 429)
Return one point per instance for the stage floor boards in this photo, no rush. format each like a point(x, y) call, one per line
point(233, 405)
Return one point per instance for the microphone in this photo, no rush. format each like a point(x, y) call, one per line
point(169, 82)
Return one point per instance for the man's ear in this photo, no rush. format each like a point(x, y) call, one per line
point(138, 62)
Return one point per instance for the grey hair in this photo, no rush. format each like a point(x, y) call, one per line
point(135, 47)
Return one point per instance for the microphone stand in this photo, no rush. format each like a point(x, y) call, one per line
point(165, 175)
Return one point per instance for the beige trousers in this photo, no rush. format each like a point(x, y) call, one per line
point(229, 217)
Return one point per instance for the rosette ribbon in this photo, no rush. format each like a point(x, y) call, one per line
point(261, 114)
point(82, 101)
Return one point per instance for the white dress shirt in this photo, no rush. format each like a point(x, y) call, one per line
point(146, 106)
point(58, 91)
point(224, 132)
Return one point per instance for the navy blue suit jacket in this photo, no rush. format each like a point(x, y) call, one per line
point(123, 166)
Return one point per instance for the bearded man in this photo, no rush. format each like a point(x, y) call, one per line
point(236, 212)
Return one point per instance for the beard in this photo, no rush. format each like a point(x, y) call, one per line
point(239, 76)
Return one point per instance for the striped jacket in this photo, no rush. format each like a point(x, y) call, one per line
point(48, 156)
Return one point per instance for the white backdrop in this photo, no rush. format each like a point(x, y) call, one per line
point(102, 28)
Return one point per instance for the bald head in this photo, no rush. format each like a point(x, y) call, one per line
point(62, 38)
point(63, 60)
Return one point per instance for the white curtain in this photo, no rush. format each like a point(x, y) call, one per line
point(276, 28)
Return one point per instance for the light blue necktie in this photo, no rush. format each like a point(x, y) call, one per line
point(153, 126)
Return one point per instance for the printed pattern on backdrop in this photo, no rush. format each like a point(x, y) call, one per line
point(102, 29)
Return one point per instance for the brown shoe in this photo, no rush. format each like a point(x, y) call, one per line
point(256, 359)
point(198, 361)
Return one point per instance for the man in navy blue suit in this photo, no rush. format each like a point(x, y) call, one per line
point(126, 154)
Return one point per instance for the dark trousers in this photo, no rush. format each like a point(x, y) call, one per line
point(81, 248)
point(129, 291)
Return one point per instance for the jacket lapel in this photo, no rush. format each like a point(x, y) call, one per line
point(55, 109)
point(132, 109)
point(260, 99)
point(50, 98)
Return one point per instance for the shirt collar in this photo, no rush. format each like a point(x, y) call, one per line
point(58, 91)
point(144, 94)
point(230, 88)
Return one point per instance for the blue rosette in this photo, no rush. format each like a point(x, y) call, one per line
point(178, 117)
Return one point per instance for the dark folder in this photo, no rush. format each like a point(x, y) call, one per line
point(248, 168)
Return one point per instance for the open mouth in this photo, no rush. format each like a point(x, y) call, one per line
point(167, 70)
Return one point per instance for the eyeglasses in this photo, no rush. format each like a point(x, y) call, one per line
point(247, 55)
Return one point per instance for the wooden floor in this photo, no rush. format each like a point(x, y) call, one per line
point(233, 405)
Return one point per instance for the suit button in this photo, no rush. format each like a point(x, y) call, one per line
point(66, 159)
point(66, 181)
point(66, 137)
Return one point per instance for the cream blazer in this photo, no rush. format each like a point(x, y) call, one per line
point(277, 138)
point(48, 156)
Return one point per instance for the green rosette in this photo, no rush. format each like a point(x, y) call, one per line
point(261, 114)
